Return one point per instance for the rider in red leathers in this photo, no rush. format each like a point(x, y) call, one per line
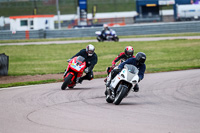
point(128, 53)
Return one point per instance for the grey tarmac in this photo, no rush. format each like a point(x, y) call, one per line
point(168, 102)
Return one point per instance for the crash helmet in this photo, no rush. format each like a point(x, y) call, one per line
point(129, 51)
point(90, 49)
point(105, 26)
point(140, 57)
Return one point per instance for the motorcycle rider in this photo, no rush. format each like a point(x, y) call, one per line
point(91, 60)
point(138, 61)
point(103, 32)
point(128, 53)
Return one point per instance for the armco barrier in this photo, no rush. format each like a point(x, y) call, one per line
point(135, 29)
point(8, 35)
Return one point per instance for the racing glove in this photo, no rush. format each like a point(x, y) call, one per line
point(86, 70)
point(69, 60)
point(113, 65)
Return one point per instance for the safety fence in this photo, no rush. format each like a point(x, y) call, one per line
point(136, 29)
point(9, 35)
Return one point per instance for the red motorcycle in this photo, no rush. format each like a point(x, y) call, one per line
point(73, 72)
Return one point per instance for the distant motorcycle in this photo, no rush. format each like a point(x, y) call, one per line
point(109, 36)
point(73, 72)
point(122, 84)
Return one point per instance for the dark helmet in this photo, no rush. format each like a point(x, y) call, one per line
point(90, 50)
point(129, 51)
point(140, 57)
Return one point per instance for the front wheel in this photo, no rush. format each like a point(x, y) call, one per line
point(109, 98)
point(116, 39)
point(123, 92)
point(66, 82)
point(99, 39)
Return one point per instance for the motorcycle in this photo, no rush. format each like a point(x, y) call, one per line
point(73, 72)
point(109, 36)
point(122, 84)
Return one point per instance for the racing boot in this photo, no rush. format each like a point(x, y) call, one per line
point(107, 85)
point(106, 92)
point(80, 80)
point(105, 80)
point(136, 88)
point(112, 92)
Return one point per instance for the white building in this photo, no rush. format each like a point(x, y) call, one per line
point(31, 22)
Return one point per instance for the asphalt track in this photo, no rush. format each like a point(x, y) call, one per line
point(87, 41)
point(167, 102)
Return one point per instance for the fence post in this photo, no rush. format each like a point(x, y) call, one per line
point(27, 34)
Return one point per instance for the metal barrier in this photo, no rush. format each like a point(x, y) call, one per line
point(136, 29)
point(8, 35)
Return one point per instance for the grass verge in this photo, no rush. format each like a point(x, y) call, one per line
point(28, 83)
point(93, 38)
point(165, 55)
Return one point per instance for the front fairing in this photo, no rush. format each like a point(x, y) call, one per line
point(98, 33)
point(128, 74)
point(113, 33)
point(77, 64)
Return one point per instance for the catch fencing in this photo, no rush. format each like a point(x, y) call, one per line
point(136, 29)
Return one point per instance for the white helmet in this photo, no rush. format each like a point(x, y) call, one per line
point(105, 26)
point(90, 49)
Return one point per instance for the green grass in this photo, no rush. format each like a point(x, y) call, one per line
point(92, 38)
point(28, 83)
point(168, 55)
point(165, 55)
point(162, 35)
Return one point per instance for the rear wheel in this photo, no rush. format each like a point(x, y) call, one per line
point(67, 81)
point(109, 98)
point(123, 92)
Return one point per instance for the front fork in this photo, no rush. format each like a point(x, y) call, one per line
point(67, 73)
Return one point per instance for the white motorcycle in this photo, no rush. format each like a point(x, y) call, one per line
point(110, 36)
point(122, 84)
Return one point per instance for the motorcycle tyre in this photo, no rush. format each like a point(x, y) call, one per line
point(67, 81)
point(71, 87)
point(99, 39)
point(109, 99)
point(116, 39)
point(123, 92)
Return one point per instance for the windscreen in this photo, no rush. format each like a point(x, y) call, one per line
point(132, 69)
point(80, 59)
